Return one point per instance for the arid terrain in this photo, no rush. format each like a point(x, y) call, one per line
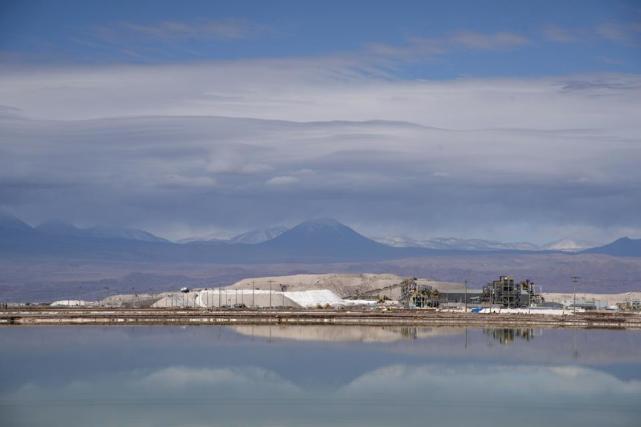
point(47, 280)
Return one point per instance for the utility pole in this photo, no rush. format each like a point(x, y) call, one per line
point(466, 308)
point(466, 338)
point(492, 296)
point(282, 292)
point(575, 280)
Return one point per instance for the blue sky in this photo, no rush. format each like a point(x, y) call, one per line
point(505, 120)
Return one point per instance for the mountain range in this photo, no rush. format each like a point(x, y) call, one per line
point(321, 240)
point(59, 228)
point(564, 245)
point(250, 237)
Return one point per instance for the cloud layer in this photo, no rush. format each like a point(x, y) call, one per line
point(502, 158)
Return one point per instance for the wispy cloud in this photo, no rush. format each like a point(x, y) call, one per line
point(227, 29)
point(620, 32)
point(418, 47)
point(134, 36)
point(282, 180)
point(501, 40)
point(559, 34)
point(617, 32)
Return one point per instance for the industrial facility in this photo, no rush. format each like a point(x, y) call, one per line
point(507, 293)
point(504, 292)
point(366, 292)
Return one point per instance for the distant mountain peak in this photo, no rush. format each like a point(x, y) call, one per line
point(258, 235)
point(110, 232)
point(624, 246)
point(11, 222)
point(60, 228)
point(56, 226)
point(321, 223)
point(326, 238)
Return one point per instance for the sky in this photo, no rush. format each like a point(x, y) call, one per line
point(503, 120)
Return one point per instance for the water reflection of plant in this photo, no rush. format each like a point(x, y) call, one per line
point(509, 335)
point(409, 332)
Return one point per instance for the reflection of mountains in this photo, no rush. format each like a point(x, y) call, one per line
point(336, 333)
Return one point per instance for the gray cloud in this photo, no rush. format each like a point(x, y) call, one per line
point(169, 172)
point(510, 159)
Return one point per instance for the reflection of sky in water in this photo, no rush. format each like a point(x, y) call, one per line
point(202, 376)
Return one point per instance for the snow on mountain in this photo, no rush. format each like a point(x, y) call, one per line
point(259, 235)
point(251, 237)
point(212, 238)
point(568, 245)
point(452, 243)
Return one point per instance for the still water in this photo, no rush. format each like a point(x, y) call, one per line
point(318, 376)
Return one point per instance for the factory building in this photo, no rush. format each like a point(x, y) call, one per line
point(414, 295)
point(506, 292)
point(471, 297)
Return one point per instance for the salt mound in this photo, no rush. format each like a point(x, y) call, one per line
point(178, 300)
point(343, 285)
point(248, 297)
point(315, 298)
point(72, 303)
point(208, 298)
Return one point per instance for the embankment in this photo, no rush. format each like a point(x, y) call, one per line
point(102, 316)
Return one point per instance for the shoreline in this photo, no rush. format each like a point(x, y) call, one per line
point(131, 316)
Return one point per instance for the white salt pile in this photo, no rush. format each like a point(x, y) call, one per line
point(72, 303)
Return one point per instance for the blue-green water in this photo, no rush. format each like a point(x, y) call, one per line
point(318, 376)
